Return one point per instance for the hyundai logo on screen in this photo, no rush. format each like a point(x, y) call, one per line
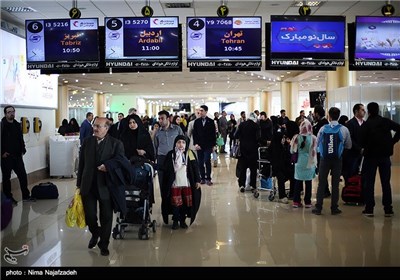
point(34, 38)
point(114, 35)
point(196, 35)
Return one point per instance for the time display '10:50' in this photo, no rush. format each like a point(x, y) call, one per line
point(71, 50)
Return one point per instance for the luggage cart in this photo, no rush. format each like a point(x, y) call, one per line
point(265, 181)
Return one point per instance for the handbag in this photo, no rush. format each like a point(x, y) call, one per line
point(294, 157)
point(75, 215)
point(220, 140)
point(45, 191)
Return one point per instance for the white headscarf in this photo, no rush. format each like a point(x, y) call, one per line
point(305, 130)
point(179, 158)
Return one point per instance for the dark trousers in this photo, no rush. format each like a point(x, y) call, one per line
point(335, 167)
point(179, 213)
point(224, 136)
point(327, 191)
point(244, 163)
point(204, 157)
point(281, 178)
point(351, 166)
point(160, 169)
point(370, 167)
point(17, 164)
point(106, 216)
point(297, 192)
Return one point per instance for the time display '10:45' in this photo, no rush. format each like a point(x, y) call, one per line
point(232, 49)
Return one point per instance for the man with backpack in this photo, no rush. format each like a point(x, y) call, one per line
point(332, 139)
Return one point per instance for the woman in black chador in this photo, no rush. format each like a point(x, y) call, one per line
point(181, 193)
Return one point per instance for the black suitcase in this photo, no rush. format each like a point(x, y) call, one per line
point(45, 191)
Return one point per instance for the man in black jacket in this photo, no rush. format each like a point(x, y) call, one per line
point(352, 158)
point(12, 150)
point(91, 180)
point(204, 139)
point(378, 142)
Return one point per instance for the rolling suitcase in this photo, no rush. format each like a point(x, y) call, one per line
point(352, 192)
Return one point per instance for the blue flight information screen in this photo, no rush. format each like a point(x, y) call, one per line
point(62, 43)
point(229, 42)
point(142, 42)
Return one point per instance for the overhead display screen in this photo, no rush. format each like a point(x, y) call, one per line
point(143, 43)
point(306, 42)
point(377, 42)
point(229, 43)
point(62, 44)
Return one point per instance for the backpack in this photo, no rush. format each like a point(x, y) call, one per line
point(331, 142)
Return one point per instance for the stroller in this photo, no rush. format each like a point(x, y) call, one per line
point(265, 181)
point(139, 197)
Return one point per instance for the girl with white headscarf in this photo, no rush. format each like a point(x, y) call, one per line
point(305, 145)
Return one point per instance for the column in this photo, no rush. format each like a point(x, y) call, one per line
point(250, 105)
point(62, 110)
point(99, 105)
point(342, 77)
point(265, 102)
point(289, 98)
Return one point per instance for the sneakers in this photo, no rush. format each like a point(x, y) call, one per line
point(368, 213)
point(241, 189)
point(297, 205)
point(389, 213)
point(202, 181)
point(209, 183)
point(336, 211)
point(316, 211)
point(283, 200)
point(248, 188)
point(308, 205)
point(29, 199)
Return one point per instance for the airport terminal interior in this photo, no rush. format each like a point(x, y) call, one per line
point(232, 228)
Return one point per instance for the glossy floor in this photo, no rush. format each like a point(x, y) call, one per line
point(231, 229)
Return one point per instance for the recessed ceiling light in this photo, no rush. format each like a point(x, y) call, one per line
point(19, 9)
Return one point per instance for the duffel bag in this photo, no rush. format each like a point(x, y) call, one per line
point(45, 191)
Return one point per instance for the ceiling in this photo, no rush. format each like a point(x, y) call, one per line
point(188, 86)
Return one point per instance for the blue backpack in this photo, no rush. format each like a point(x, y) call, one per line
point(331, 142)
